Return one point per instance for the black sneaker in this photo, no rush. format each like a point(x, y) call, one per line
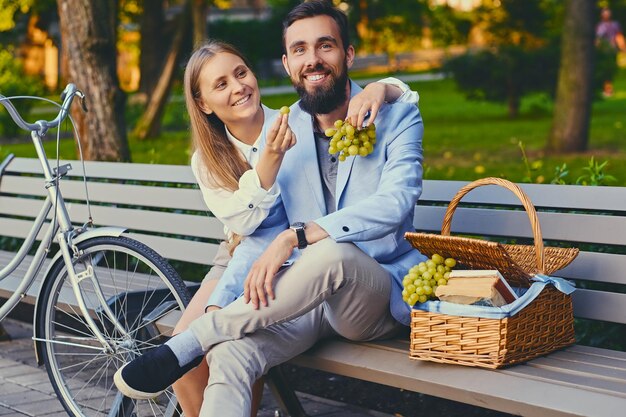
point(150, 374)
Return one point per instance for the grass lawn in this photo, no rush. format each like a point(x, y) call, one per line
point(464, 140)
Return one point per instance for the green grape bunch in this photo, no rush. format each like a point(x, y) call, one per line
point(423, 279)
point(350, 141)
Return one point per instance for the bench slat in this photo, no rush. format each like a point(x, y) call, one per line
point(113, 170)
point(589, 359)
point(149, 196)
point(554, 226)
point(591, 384)
point(181, 250)
point(542, 195)
point(599, 305)
point(584, 369)
point(615, 355)
point(144, 220)
point(172, 248)
point(596, 266)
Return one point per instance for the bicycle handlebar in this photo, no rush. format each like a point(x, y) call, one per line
point(42, 125)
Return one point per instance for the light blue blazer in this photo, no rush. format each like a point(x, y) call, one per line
point(375, 198)
point(375, 195)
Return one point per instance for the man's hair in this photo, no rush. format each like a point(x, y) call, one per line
point(315, 8)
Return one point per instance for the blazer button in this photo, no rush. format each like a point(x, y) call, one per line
point(345, 229)
point(250, 206)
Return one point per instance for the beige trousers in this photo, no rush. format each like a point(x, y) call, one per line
point(333, 289)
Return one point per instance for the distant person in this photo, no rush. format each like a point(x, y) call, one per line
point(610, 40)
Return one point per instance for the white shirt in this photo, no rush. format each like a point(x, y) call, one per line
point(243, 210)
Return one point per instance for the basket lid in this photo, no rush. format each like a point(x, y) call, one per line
point(517, 263)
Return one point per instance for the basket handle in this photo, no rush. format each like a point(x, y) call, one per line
point(528, 206)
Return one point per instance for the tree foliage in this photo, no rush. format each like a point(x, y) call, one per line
point(521, 54)
point(14, 82)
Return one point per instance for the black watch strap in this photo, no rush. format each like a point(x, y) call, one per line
point(299, 227)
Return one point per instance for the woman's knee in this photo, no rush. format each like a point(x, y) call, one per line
point(196, 306)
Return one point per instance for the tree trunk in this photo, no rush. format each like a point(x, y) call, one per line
point(88, 38)
point(152, 24)
point(572, 109)
point(199, 15)
point(149, 124)
point(513, 103)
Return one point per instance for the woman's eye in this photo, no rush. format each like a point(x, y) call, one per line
point(220, 86)
point(242, 74)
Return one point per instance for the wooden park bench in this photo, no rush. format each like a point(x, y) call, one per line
point(161, 206)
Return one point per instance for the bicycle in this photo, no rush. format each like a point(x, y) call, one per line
point(101, 297)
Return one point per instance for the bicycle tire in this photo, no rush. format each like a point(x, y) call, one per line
point(79, 369)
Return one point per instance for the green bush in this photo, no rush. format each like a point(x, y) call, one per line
point(505, 74)
point(13, 81)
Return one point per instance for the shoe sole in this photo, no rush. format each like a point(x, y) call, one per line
point(129, 391)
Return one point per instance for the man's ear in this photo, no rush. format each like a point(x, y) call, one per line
point(350, 56)
point(285, 65)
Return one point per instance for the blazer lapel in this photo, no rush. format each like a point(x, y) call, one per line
point(343, 173)
point(307, 158)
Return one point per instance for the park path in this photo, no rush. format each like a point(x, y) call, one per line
point(25, 389)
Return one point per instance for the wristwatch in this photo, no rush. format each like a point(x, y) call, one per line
point(299, 227)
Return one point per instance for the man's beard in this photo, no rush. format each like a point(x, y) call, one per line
point(323, 99)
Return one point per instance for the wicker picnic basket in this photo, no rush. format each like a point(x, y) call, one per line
point(546, 324)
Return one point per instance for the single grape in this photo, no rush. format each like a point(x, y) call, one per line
point(332, 150)
point(422, 298)
point(330, 131)
point(284, 110)
point(450, 262)
point(437, 259)
point(338, 124)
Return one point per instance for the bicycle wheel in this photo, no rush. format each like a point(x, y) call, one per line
point(140, 289)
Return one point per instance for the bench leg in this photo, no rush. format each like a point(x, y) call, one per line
point(4, 335)
point(284, 395)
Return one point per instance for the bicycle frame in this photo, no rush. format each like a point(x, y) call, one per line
point(64, 233)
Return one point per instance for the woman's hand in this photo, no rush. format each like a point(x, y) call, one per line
point(280, 138)
point(259, 285)
point(369, 101)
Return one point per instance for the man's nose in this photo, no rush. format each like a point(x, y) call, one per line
point(312, 58)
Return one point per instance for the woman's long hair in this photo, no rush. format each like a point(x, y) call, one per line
point(221, 163)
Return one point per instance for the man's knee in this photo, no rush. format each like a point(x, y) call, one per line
point(329, 252)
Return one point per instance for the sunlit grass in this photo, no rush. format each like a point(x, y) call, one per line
point(464, 139)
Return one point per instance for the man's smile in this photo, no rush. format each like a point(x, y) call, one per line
point(315, 77)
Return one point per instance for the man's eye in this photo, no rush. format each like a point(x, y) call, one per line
point(298, 50)
point(326, 46)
